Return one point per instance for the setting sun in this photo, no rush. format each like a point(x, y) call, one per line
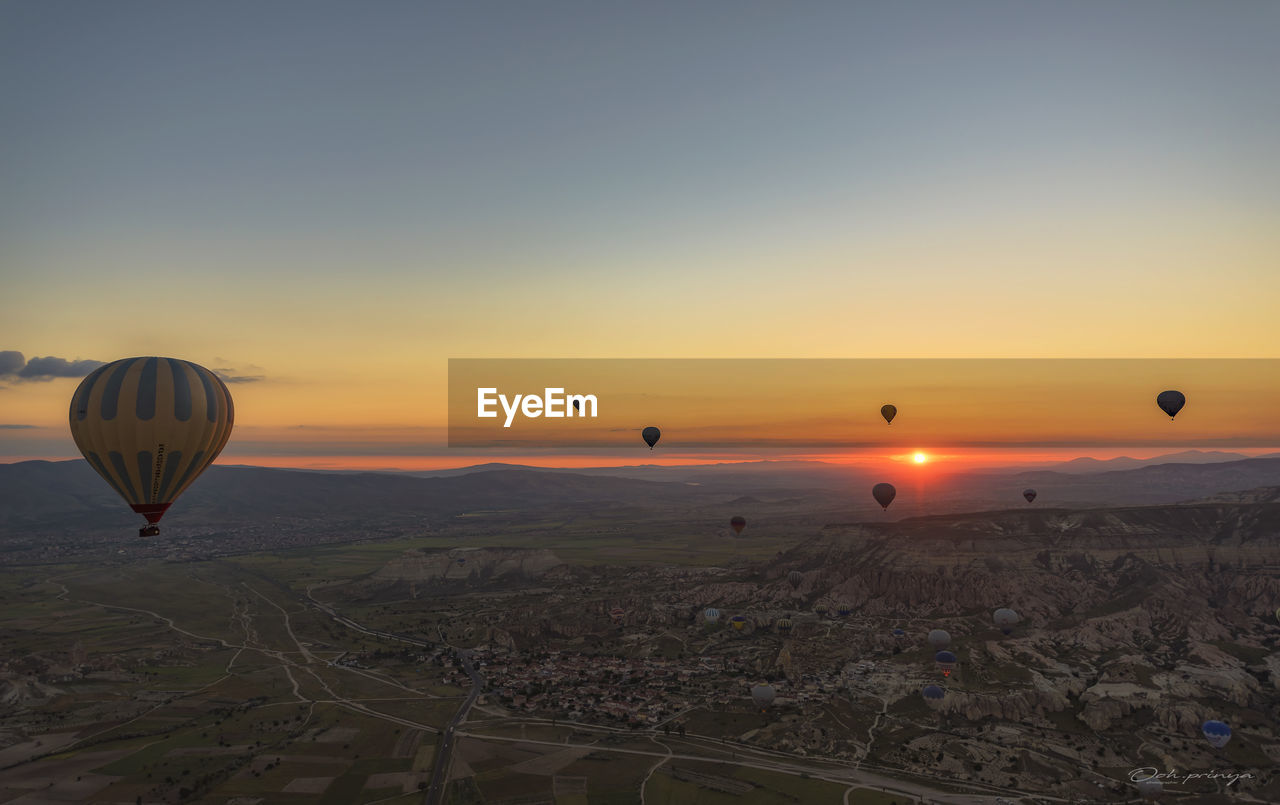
point(919, 458)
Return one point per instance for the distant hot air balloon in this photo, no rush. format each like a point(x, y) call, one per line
point(1217, 733)
point(462, 561)
point(762, 695)
point(1005, 619)
point(1150, 788)
point(899, 633)
point(711, 614)
point(884, 494)
point(1029, 494)
point(737, 524)
point(946, 662)
point(844, 609)
point(794, 578)
point(617, 614)
point(783, 625)
point(888, 412)
point(820, 608)
point(939, 639)
point(738, 621)
point(933, 694)
point(651, 435)
point(149, 427)
point(1171, 402)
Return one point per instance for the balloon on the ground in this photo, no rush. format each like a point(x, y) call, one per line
point(1171, 402)
point(1005, 619)
point(884, 494)
point(1217, 733)
point(149, 426)
point(651, 435)
point(762, 695)
point(888, 412)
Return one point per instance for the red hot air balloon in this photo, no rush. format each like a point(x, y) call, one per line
point(737, 524)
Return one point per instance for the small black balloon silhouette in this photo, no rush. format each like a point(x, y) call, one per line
point(1171, 402)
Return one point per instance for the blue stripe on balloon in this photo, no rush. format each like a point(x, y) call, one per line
point(171, 463)
point(117, 461)
point(101, 469)
point(181, 391)
point(192, 469)
point(210, 396)
point(144, 472)
point(81, 406)
point(145, 399)
point(111, 394)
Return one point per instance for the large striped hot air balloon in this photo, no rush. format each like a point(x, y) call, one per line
point(149, 427)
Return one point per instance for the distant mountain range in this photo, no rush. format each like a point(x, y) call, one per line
point(61, 497)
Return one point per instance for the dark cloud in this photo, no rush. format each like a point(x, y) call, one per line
point(14, 366)
point(229, 376)
point(50, 367)
point(17, 427)
point(11, 362)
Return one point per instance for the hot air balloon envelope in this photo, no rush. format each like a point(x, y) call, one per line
point(651, 435)
point(939, 639)
point(1217, 733)
point(1029, 494)
point(1005, 619)
point(737, 524)
point(1171, 402)
point(888, 412)
point(762, 695)
point(884, 494)
point(150, 426)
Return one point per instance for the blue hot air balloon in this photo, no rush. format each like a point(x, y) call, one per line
point(1217, 733)
point(899, 633)
point(933, 693)
point(946, 662)
point(711, 614)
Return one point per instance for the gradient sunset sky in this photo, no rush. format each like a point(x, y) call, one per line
point(326, 201)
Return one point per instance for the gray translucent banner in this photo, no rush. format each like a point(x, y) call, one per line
point(821, 403)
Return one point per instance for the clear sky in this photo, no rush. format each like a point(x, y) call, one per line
point(328, 200)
